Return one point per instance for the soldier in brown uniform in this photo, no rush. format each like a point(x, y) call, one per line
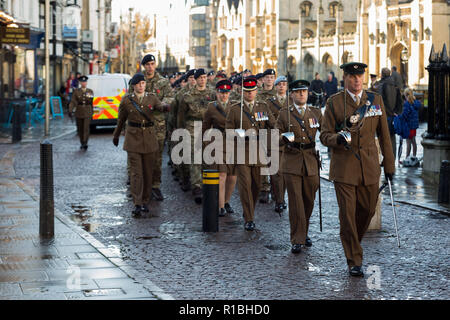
point(82, 103)
point(191, 109)
point(299, 163)
point(276, 103)
point(214, 118)
point(265, 93)
point(138, 109)
point(160, 87)
point(354, 166)
point(255, 115)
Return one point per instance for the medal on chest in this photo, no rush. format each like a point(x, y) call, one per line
point(373, 110)
point(261, 116)
point(313, 123)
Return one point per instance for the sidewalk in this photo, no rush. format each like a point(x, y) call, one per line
point(71, 266)
point(58, 128)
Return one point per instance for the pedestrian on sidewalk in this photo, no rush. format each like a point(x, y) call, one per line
point(81, 102)
point(299, 164)
point(355, 167)
point(410, 114)
point(137, 109)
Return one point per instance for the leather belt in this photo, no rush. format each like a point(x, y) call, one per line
point(303, 146)
point(141, 125)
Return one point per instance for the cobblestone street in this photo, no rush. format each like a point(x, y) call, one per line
point(167, 246)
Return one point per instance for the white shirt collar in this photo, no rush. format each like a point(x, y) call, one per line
point(354, 95)
point(300, 107)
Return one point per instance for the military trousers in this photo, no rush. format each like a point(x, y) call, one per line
point(249, 185)
point(278, 185)
point(141, 172)
point(301, 195)
point(160, 128)
point(83, 129)
point(357, 206)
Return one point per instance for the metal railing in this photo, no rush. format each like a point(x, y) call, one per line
point(438, 95)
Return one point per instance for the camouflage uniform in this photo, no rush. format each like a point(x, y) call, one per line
point(182, 171)
point(191, 109)
point(265, 96)
point(235, 96)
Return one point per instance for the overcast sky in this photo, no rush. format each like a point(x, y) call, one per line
point(146, 7)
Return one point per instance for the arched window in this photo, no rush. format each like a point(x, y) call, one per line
point(333, 8)
point(305, 8)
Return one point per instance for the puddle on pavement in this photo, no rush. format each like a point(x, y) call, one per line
point(82, 214)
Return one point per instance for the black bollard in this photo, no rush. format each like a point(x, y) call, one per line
point(444, 178)
point(210, 201)
point(46, 204)
point(16, 124)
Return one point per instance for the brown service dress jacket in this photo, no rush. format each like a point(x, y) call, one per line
point(82, 103)
point(293, 160)
point(344, 166)
point(138, 140)
point(234, 118)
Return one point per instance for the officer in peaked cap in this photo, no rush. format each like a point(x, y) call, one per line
point(257, 116)
point(82, 103)
point(355, 167)
point(299, 85)
point(299, 163)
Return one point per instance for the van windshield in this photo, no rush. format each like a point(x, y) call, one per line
point(106, 87)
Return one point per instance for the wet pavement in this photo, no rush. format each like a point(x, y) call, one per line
point(168, 248)
point(72, 265)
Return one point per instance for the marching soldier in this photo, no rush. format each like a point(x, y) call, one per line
point(191, 109)
point(215, 117)
point(276, 103)
point(236, 92)
point(182, 169)
point(256, 116)
point(82, 103)
point(138, 108)
point(299, 163)
point(160, 87)
point(265, 93)
point(352, 119)
point(211, 80)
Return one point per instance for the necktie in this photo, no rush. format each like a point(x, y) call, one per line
point(250, 106)
point(357, 100)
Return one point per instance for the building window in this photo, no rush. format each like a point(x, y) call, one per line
point(305, 8)
point(333, 8)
